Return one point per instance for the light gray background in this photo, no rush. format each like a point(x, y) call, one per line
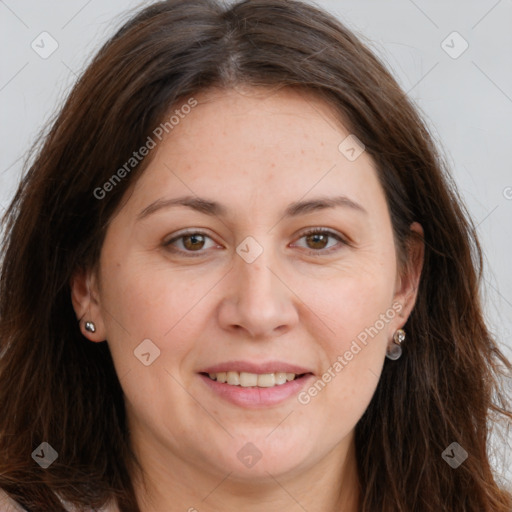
point(467, 101)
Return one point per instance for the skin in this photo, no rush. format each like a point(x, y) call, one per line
point(301, 301)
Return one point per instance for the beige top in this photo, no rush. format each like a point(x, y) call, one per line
point(9, 505)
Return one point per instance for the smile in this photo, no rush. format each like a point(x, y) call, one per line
point(253, 390)
point(246, 379)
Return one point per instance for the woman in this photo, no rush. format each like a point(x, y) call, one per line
point(237, 276)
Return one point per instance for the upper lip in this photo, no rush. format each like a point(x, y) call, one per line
point(259, 368)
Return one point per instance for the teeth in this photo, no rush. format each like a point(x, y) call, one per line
point(281, 377)
point(247, 380)
point(267, 380)
point(233, 378)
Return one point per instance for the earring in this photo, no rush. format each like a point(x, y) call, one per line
point(90, 327)
point(394, 351)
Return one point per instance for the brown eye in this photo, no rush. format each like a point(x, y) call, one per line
point(192, 242)
point(321, 241)
point(317, 240)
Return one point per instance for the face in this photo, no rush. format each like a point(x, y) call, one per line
point(280, 260)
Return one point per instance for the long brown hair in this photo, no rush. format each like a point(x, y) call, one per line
point(58, 388)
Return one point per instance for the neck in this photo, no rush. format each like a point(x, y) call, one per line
point(170, 483)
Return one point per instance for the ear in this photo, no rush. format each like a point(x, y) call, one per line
point(408, 279)
point(85, 300)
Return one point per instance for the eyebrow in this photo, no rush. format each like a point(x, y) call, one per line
point(216, 209)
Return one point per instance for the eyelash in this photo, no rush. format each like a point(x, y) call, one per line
point(312, 231)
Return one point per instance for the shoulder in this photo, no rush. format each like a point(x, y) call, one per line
point(7, 504)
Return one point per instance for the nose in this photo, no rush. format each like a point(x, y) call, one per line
point(258, 302)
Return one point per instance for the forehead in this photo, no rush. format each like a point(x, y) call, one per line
point(248, 146)
point(247, 123)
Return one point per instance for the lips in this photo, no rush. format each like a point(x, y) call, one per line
point(256, 385)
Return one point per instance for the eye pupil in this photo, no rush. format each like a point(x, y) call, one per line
point(194, 239)
point(318, 238)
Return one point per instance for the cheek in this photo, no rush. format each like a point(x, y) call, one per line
point(147, 302)
point(357, 308)
point(148, 299)
point(351, 301)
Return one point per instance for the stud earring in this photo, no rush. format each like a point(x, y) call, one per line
point(394, 351)
point(90, 327)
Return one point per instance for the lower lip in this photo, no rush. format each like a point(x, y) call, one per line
point(256, 397)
